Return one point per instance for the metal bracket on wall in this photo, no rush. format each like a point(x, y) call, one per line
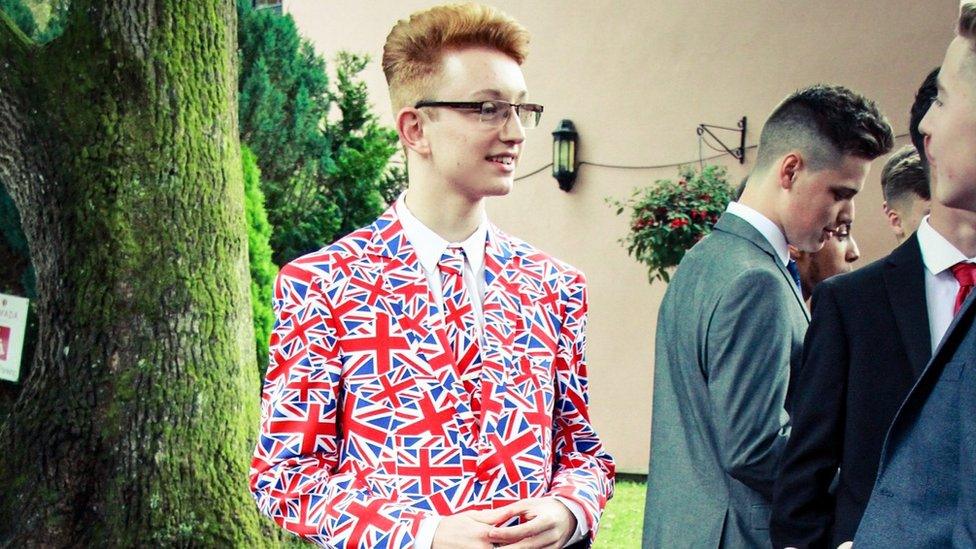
point(739, 153)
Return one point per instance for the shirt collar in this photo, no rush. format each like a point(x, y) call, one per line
point(938, 254)
point(429, 245)
point(765, 226)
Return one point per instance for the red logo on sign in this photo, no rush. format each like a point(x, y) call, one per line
point(4, 341)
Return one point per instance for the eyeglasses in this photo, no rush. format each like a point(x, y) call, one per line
point(495, 111)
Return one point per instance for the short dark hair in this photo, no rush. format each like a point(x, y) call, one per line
point(825, 123)
point(903, 175)
point(923, 100)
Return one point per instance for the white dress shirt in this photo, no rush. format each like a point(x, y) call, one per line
point(429, 246)
point(767, 228)
point(941, 287)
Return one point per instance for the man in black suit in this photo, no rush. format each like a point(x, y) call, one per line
point(871, 334)
point(925, 492)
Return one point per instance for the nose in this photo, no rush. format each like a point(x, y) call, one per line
point(846, 214)
point(512, 130)
point(853, 254)
point(923, 126)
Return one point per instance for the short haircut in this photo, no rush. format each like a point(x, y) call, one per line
point(414, 48)
point(903, 176)
point(967, 22)
point(923, 100)
point(825, 123)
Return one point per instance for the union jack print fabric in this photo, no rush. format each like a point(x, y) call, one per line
point(366, 426)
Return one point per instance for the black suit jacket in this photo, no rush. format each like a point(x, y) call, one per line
point(867, 343)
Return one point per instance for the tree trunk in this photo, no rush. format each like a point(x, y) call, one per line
point(119, 146)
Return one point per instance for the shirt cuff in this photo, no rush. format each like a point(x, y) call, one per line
point(425, 534)
point(582, 529)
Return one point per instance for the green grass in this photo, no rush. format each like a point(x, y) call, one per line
point(620, 527)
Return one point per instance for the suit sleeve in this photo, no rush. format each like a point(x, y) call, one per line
point(802, 505)
point(584, 471)
point(964, 533)
point(747, 348)
point(294, 470)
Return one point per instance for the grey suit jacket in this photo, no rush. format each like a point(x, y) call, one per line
point(731, 324)
point(925, 492)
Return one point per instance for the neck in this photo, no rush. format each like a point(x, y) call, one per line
point(759, 198)
point(454, 218)
point(956, 226)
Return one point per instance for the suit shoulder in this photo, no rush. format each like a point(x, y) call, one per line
point(869, 277)
point(329, 262)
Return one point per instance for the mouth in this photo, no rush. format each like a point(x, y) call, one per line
point(506, 161)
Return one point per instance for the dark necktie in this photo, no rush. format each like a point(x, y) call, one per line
point(794, 272)
point(460, 323)
point(965, 273)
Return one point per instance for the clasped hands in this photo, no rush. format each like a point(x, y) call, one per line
point(547, 523)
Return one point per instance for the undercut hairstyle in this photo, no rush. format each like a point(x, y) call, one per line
point(903, 177)
point(923, 100)
point(825, 124)
point(414, 48)
point(967, 22)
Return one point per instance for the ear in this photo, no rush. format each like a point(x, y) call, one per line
point(789, 166)
point(410, 128)
point(894, 220)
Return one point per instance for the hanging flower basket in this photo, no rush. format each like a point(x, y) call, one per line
point(669, 217)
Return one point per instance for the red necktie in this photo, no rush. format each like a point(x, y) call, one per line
point(460, 323)
point(965, 273)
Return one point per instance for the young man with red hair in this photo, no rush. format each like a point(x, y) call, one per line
point(427, 384)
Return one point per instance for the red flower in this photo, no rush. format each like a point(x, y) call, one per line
point(678, 223)
point(705, 197)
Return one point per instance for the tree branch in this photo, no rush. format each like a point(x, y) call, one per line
point(25, 168)
point(13, 42)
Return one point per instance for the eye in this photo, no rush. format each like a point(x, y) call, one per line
point(490, 108)
point(842, 194)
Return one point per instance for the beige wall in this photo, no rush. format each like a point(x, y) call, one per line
point(637, 77)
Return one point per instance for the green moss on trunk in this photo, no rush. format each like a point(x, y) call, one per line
point(137, 423)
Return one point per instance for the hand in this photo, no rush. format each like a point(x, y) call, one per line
point(549, 525)
point(470, 529)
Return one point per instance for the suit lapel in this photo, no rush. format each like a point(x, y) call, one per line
point(408, 299)
point(955, 332)
point(734, 224)
point(905, 285)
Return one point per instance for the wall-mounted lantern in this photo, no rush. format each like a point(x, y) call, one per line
point(564, 140)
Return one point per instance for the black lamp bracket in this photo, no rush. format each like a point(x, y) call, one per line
point(739, 153)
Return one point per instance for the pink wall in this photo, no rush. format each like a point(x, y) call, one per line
point(637, 78)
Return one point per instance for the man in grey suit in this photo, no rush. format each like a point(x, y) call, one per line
point(733, 321)
point(925, 491)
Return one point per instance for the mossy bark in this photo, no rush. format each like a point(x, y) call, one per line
point(119, 145)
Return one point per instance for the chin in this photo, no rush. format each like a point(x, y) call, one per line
point(956, 197)
point(813, 246)
point(499, 188)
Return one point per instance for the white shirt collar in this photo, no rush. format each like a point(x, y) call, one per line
point(429, 245)
point(765, 227)
point(938, 254)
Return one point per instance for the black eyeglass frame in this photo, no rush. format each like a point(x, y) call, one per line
point(479, 106)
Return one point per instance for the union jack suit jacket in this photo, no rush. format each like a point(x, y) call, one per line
point(366, 428)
